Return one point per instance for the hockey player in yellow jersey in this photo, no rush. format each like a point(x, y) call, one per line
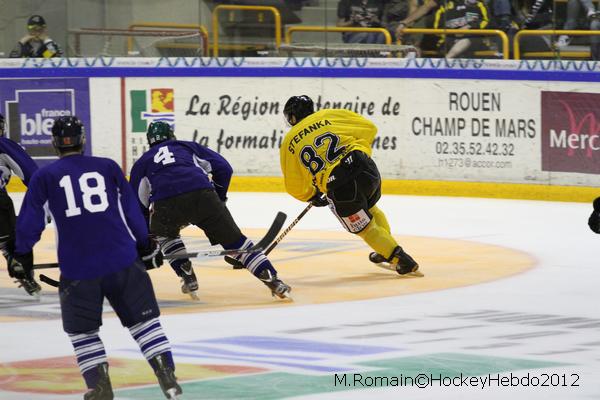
point(328, 152)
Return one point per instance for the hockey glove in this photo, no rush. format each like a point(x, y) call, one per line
point(319, 200)
point(151, 255)
point(594, 220)
point(20, 267)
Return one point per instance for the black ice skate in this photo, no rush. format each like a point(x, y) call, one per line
point(189, 280)
point(103, 390)
point(377, 258)
point(399, 261)
point(31, 286)
point(166, 377)
point(27, 281)
point(278, 288)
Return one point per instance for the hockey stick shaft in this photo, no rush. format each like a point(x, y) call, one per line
point(237, 264)
point(264, 242)
point(268, 238)
point(288, 229)
point(46, 266)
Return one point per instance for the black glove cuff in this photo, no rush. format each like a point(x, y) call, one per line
point(319, 200)
point(26, 260)
point(20, 266)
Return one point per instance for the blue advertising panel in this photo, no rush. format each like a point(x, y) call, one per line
point(30, 107)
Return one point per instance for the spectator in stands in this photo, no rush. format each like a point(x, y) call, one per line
point(426, 9)
point(539, 15)
point(502, 15)
point(361, 13)
point(36, 43)
point(574, 9)
point(395, 11)
point(504, 18)
point(461, 14)
point(415, 16)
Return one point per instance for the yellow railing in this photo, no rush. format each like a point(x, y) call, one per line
point(200, 28)
point(479, 32)
point(292, 29)
point(542, 32)
point(233, 7)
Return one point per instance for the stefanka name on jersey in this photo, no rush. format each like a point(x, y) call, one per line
point(306, 131)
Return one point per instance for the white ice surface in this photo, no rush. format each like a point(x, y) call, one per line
point(565, 283)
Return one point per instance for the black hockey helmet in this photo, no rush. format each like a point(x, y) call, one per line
point(297, 108)
point(36, 21)
point(1, 125)
point(67, 133)
point(159, 131)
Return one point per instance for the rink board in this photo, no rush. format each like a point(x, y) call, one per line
point(457, 121)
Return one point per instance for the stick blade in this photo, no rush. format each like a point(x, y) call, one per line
point(271, 235)
point(49, 281)
point(272, 232)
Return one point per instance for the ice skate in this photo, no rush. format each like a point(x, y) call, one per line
point(189, 281)
point(399, 262)
point(381, 262)
point(31, 287)
point(377, 258)
point(103, 390)
point(166, 377)
point(26, 281)
point(278, 288)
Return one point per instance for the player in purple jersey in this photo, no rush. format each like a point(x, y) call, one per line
point(13, 159)
point(103, 252)
point(180, 183)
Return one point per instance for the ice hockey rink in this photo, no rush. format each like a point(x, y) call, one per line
point(508, 308)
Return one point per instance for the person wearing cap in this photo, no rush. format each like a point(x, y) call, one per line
point(36, 43)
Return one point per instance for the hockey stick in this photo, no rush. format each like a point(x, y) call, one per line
point(268, 238)
point(264, 242)
point(238, 265)
point(48, 281)
point(45, 266)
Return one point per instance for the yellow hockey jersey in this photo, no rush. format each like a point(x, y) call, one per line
point(316, 145)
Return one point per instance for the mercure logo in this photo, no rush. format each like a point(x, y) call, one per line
point(571, 132)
